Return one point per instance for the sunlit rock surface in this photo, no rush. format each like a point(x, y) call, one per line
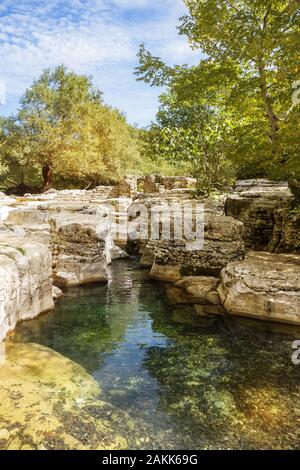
point(25, 281)
point(223, 243)
point(65, 233)
point(84, 230)
point(43, 401)
point(81, 250)
point(264, 286)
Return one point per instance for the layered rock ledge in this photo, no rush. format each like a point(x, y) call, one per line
point(58, 239)
point(25, 281)
point(264, 286)
point(255, 203)
point(68, 238)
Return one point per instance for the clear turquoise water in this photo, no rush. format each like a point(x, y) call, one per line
point(185, 382)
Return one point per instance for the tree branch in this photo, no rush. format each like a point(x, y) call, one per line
point(232, 6)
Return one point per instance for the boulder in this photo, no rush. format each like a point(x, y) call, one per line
point(265, 286)
point(222, 244)
point(81, 249)
point(199, 291)
point(57, 293)
point(165, 273)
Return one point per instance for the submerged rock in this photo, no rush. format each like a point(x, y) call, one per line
point(264, 286)
point(200, 291)
point(43, 404)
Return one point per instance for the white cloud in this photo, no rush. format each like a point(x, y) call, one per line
point(98, 37)
point(133, 3)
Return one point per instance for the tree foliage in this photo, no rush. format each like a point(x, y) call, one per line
point(64, 131)
point(251, 61)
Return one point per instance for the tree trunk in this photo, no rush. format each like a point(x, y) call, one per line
point(271, 115)
point(47, 177)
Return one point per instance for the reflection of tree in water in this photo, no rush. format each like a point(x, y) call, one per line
point(91, 321)
point(229, 386)
point(88, 322)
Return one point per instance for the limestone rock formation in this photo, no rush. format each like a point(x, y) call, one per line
point(57, 293)
point(73, 226)
point(25, 281)
point(255, 202)
point(201, 291)
point(84, 230)
point(152, 184)
point(222, 244)
point(264, 286)
point(286, 232)
point(81, 249)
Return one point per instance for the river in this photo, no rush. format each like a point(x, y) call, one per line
point(190, 382)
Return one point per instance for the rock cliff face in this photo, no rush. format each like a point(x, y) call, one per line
point(222, 244)
point(286, 232)
point(258, 214)
point(25, 281)
point(63, 238)
point(255, 203)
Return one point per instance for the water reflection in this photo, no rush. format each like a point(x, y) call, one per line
point(188, 382)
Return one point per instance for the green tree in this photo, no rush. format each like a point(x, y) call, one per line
point(14, 152)
point(260, 40)
point(64, 129)
point(194, 134)
point(250, 62)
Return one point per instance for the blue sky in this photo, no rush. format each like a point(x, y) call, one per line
point(95, 37)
